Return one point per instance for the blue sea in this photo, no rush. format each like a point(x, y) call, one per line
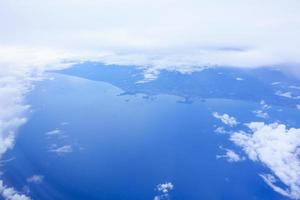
point(123, 138)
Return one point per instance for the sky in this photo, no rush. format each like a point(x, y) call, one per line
point(161, 34)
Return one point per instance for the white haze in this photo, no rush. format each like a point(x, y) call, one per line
point(159, 33)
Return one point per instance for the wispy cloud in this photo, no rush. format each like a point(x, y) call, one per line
point(261, 114)
point(221, 130)
point(231, 156)
point(226, 119)
point(35, 179)
point(287, 95)
point(61, 150)
point(54, 132)
point(271, 181)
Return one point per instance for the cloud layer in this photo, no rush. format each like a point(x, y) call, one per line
point(167, 33)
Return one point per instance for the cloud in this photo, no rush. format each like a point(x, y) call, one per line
point(21, 67)
point(264, 105)
point(64, 123)
point(61, 150)
point(54, 132)
point(277, 147)
point(286, 95)
point(162, 34)
point(12, 110)
point(294, 87)
point(270, 180)
point(15, 82)
point(221, 130)
point(226, 119)
point(231, 156)
point(9, 193)
point(261, 114)
point(164, 189)
point(35, 179)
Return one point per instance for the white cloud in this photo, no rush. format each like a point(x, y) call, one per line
point(9, 193)
point(20, 68)
point(231, 156)
point(54, 132)
point(61, 150)
point(294, 87)
point(264, 105)
point(287, 95)
point(64, 123)
point(14, 84)
point(221, 130)
point(164, 189)
point(278, 148)
point(12, 110)
point(226, 119)
point(284, 94)
point(275, 83)
point(261, 114)
point(171, 33)
point(35, 179)
point(270, 180)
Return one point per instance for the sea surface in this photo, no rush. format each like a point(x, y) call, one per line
point(122, 138)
